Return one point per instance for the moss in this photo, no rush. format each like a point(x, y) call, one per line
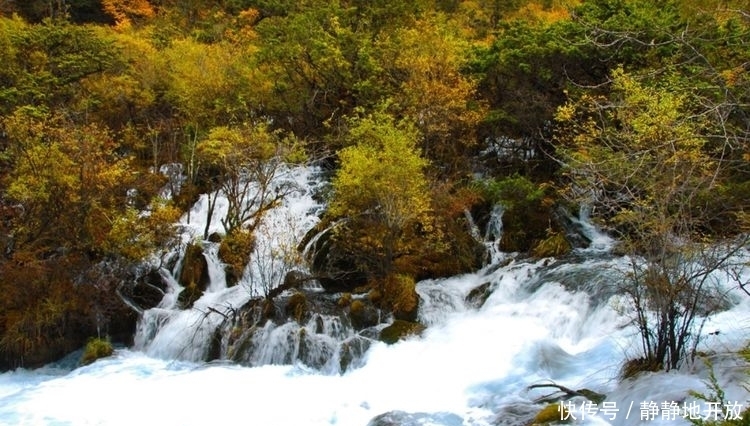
point(95, 349)
point(234, 251)
point(375, 296)
point(551, 414)
point(194, 270)
point(399, 330)
point(554, 245)
point(356, 307)
point(401, 297)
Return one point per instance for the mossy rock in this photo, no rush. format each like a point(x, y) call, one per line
point(375, 296)
point(95, 349)
point(399, 330)
point(401, 297)
point(551, 414)
point(194, 270)
point(329, 257)
point(268, 309)
point(554, 245)
point(595, 397)
point(362, 314)
point(188, 296)
point(345, 300)
point(234, 251)
point(296, 307)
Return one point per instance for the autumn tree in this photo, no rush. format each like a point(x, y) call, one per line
point(44, 64)
point(65, 195)
point(425, 64)
point(642, 159)
point(382, 193)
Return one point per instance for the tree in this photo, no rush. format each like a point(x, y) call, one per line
point(68, 200)
point(45, 63)
point(382, 193)
point(424, 63)
point(243, 164)
point(640, 158)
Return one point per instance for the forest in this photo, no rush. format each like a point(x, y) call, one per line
point(419, 111)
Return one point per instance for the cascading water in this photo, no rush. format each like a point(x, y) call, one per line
point(491, 334)
point(192, 334)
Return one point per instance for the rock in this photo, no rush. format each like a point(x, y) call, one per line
point(402, 418)
point(478, 295)
point(148, 290)
point(193, 275)
point(399, 330)
point(335, 269)
point(352, 352)
point(553, 246)
point(595, 397)
point(401, 297)
point(552, 413)
point(234, 251)
point(294, 279)
point(363, 314)
point(214, 349)
point(95, 349)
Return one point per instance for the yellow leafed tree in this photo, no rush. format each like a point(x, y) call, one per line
point(382, 191)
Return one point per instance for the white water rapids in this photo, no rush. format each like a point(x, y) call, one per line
point(542, 321)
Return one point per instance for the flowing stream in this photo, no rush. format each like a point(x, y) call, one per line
point(491, 334)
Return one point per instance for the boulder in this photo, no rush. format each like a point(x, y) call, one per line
point(399, 330)
point(148, 290)
point(296, 307)
point(362, 314)
point(95, 349)
point(402, 418)
point(478, 295)
point(193, 275)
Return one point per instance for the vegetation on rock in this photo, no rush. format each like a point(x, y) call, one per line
point(95, 349)
point(400, 329)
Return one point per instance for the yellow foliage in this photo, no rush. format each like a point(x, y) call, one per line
point(124, 11)
point(642, 143)
point(438, 97)
point(382, 190)
point(536, 12)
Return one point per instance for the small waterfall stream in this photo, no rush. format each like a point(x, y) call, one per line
point(490, 335)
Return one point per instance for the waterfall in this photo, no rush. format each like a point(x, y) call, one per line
point(189, 334)
point(491, 334)
point(492, 234)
